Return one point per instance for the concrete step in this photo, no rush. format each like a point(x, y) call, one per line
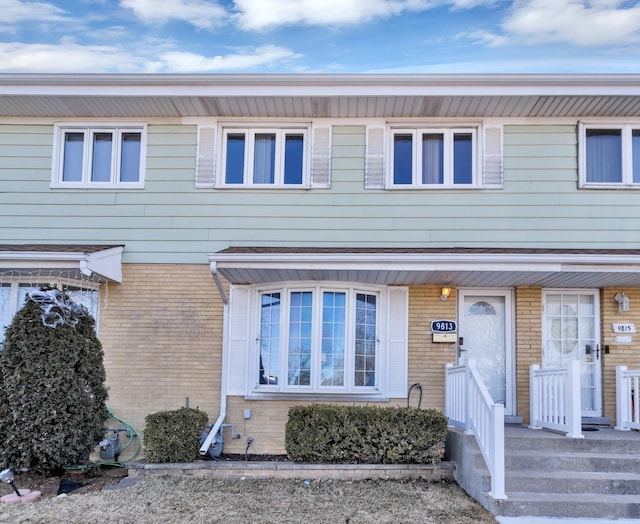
point(606, 441)
point(594, 483)
point(582, 505)
point(534, 460)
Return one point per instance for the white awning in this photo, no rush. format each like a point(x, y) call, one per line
point(458, 267)
point(87, 261)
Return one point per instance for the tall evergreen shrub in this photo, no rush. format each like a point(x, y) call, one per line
point(52, 392)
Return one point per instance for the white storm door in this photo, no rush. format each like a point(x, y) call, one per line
point(485, 335)
point(571, 331)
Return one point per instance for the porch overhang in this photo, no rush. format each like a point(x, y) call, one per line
point(78, 261)
point(460, 267)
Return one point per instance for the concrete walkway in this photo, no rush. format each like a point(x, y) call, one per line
point(549, 520)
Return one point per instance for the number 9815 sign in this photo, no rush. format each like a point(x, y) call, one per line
point(444, 326)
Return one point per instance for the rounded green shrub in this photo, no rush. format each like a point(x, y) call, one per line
point(52, 392)
point(172, 436)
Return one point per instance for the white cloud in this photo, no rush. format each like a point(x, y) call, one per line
point(66, 57)
point(484, 38)
point(69, 57)
point(257, 15)
point(202, 14)
point(14, 11)
point(579, 22)
point(181, 62)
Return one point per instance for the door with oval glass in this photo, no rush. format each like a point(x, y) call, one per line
point(571, 331)
point(485, 335)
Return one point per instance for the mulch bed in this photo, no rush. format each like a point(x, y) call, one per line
point(70, 482)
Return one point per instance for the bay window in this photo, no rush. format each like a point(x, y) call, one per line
point(318, 339)
point(13, 297)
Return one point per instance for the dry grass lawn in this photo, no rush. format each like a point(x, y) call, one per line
point(180, 499)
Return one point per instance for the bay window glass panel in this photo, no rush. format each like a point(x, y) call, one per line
point(5, 313)
point(365, 340)
point(333, 338)
point(101, 161)
point(270, 338)
point(73, 157)
point(87, 297)
point(402, 158)
point(462, 158)
point(130, 157)
point(300, 338)
point(234, 169)
point(604, 155)
point(264, 158)
point(635, 152)
point(23, 289)
point(293, 159)
point(432, 158)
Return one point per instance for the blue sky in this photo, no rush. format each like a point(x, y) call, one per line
point(320, 36)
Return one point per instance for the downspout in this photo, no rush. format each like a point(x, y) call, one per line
point(204, 449)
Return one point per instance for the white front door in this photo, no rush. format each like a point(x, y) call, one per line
point(571, 331)
point(485, 335)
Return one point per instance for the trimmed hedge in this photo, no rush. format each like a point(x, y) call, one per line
point(172, 436)
point(365, 435)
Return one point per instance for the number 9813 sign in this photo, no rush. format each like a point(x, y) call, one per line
point(444, 326)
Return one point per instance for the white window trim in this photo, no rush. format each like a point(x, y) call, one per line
point(448, 134)
point(627, 156)
point(250, 130)
point(89, 129)
point(348, 391)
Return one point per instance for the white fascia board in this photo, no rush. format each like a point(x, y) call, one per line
point(106, 263)
point(429, 262)
point(318, 85)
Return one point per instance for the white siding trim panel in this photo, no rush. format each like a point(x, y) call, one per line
point(397, 342)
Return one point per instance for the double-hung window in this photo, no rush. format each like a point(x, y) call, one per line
point(269, 157)
point(436, 157)
point(318, 339)
point(99, 156)
point(609, 155)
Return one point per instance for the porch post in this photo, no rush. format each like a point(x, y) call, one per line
point(470, 399)
point(574, 404)
point(534, 397)
point(622, 399)
point(497, 475)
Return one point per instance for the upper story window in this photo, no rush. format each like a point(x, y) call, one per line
point(433, 157)
point(99, 156)
point(265, 157)
point(407, 156)
point(609, 155)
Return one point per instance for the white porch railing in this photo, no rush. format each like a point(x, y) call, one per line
point(627, 407)
point(469, 406)
point(555, 399)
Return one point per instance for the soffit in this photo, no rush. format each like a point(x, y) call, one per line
point(462, 268)
point(319, 96)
